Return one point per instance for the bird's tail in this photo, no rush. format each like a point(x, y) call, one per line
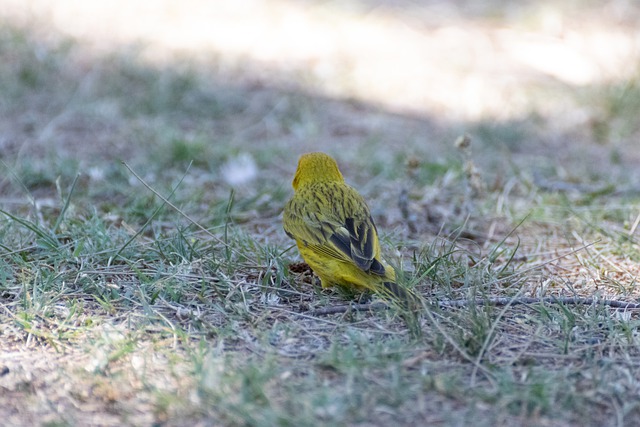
point(406, 297)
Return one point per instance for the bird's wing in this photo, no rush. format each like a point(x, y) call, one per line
point(345, 232)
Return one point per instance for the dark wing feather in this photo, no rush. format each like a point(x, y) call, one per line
point(346, 233)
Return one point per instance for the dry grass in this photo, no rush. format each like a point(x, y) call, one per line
point(117, 308)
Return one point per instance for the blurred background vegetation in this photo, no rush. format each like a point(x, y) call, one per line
point(542, 87)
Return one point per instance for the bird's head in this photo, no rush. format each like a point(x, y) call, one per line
point(316, 167)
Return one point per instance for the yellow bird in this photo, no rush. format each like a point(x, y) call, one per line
point(334, 231)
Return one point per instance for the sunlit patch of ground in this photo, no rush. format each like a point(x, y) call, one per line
point(432, 58)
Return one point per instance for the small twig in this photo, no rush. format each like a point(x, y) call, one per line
point(498, 301)
point(529, 300)
point(375, 306)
